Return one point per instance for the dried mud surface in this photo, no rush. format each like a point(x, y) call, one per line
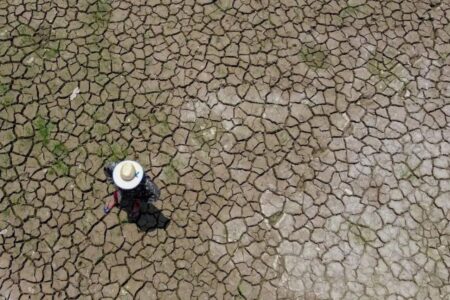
point(301, 147)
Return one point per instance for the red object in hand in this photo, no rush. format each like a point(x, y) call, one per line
point(116, 197)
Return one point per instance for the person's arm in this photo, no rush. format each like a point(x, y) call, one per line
point(108, 169)
point(151, 189)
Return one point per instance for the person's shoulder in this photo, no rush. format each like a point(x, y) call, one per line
point(147, 177)
point(111, 165)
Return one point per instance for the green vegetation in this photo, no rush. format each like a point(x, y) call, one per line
point(51, 51)
point(170, 174)
point(25, 29)
point(405, 173)
point(101, 14)
point(271, 20)
point(224, 5)
point(26, 35)
point(349, 11)
point(4, 88)
point(443, 55)
point(241, 290)
point(6, 99)
point(100, 115)
point(314, 57)
point(112, 153)
point(59, 150)
point(381, 66)
point(354, 11)
point(101, 79)
point(100, 129)
point(43, 129)
point(177, 164)
point(4, 160)
point(118, 152)
point(17, 199)
point(6, 212)
point(222, 71)
point(273, 219)
point(60, 168)
point(9, 136)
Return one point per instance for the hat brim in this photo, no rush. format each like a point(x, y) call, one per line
point(131, 184)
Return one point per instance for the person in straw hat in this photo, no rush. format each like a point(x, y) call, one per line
point(133, 187)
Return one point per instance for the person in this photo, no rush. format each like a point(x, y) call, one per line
point(133, 187)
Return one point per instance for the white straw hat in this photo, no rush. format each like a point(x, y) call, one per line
point(128, 174)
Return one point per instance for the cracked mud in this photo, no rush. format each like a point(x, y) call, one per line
point(301, 147)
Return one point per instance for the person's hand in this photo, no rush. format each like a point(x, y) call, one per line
point(112, 202)
point(106, 210)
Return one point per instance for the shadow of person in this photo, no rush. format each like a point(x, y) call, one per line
point(151, 218)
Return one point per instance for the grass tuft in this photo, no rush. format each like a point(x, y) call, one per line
point(43, 129)
point(314, 57)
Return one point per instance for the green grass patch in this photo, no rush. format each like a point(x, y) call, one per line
point(358, 11)
point(112, 153)
point(224, 5)
point(6, 212)
point(16, 199)
point(4, 160)
point(314, 57)
point(273, 219)
point(25, 41)
point(24, 29)
point(4, 88)
point(60, 168)
point(271, 20)
point(243, 289)
point(43, 129)
point(101, 14)
point(118, 152)
point(51, 53)
point(59, 149)
point(6, 99)
point(443, 55)
point(100, 129)
point(177, 164)
point(170, 174)
point(26, 35)
point(101, 79)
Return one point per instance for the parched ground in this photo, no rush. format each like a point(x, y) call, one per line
point(301, 147)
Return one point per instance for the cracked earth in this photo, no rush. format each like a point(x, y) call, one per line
point(301, 147)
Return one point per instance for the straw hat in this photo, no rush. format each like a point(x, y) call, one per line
point(128, 174)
